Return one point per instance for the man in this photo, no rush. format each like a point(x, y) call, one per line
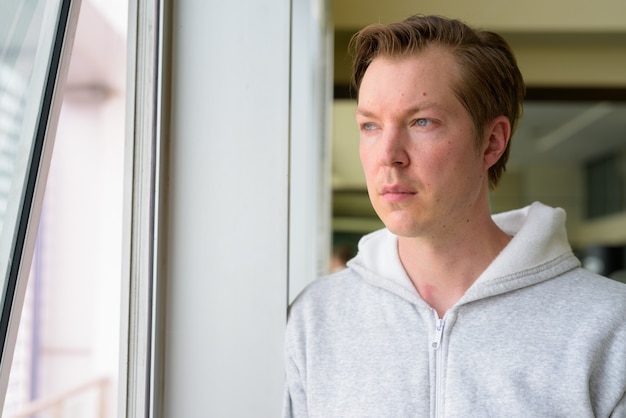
point(449, 311)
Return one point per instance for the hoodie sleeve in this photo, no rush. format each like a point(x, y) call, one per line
point(294, 404)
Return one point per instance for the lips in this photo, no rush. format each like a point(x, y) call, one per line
point(397, 193)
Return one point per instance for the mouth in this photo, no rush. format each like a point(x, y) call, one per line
point(397, 193)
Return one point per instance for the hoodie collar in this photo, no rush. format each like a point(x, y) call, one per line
point(539, 241)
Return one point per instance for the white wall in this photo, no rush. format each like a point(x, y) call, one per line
point(228, 207)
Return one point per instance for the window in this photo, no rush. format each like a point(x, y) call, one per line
point(33, 52)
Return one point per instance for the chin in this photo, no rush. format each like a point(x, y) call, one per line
point(399, 227)
point(403, 232)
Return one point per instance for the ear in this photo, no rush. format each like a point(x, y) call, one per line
point(497, 134)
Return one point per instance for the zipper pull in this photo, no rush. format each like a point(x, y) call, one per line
point(438, 334)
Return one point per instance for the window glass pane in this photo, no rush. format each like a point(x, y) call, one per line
point(65, 360)
point(27, 33)
point(32, 37)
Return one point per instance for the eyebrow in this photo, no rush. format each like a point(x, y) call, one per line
point(410, 111)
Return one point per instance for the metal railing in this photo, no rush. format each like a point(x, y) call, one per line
point(56, 404)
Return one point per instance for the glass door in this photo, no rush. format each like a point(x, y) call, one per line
point(35, 42)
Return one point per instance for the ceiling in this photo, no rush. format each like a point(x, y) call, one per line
point(574, 65)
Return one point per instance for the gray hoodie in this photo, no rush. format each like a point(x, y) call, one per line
point(535, 336)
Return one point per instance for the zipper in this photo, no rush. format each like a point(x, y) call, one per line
point(436, 345)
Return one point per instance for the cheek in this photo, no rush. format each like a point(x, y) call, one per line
point(366, 159)
point(437, 159)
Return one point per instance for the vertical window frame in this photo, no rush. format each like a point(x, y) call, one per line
point(141, 310)
point(25, 231)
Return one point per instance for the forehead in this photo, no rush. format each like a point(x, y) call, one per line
point(429, 75)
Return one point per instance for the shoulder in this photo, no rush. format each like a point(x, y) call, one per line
point(319, 307)
point(595, 299)
point(325, 293)
point(334, 303)
point(596, 288)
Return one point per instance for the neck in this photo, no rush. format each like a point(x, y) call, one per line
point(443, 269)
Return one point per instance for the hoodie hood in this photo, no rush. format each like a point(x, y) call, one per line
point(538, 251)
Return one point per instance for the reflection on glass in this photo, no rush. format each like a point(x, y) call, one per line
point(12, 97)
point(24, 54)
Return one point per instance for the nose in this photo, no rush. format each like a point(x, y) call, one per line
point(394, 148)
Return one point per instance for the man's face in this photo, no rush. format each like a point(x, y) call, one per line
point(423, 169)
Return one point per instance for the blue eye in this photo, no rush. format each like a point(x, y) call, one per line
point(423, 122)
point(368, 126)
